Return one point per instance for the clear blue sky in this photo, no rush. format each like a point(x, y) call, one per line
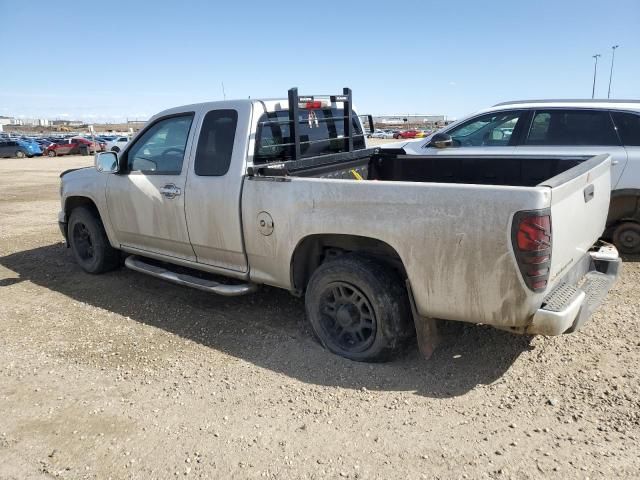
point(117, 59)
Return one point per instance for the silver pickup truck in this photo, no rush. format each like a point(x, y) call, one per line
point(228, 196)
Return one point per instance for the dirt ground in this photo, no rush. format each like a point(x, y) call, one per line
point(124, 376)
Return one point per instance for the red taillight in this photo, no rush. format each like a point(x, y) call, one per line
point(313, 105)
point(534, 233)
point(532, 246)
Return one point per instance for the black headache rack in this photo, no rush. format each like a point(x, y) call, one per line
point(311, 103)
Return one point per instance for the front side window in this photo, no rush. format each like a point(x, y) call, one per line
point(572, 127)
point(322, 135)
point(490, 130)
point(160, 150)
point(215, 144)
point(628, 125)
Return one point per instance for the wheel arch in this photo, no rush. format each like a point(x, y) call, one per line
point(75, 201)
point(313, 250)
point(624, 207)
point(79, 200)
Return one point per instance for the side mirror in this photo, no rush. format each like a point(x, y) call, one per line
point(106, 162)
point(441, 140)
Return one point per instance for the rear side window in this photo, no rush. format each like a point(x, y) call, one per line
point(215, 145)
point(628, 125)
point(572, 127)
point(274, 142)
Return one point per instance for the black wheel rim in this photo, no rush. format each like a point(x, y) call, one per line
point(630, 239)
point(82, 241)
point(347, 318)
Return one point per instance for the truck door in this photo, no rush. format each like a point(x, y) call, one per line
point(214, 186)
point(146, 199)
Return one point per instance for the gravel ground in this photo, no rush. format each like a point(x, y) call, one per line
point(125, 376)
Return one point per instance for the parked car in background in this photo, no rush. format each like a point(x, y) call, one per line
point(117, 144)
point(381, 134)
point(72, 146)
point(18, 148)
point(32, 147)
point(423, 133)
point(407, 134)
point(559, 127)
point(11, 148)
point(44, 143)
point(100, 144)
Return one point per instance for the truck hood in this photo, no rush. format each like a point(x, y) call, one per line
point(76, 173)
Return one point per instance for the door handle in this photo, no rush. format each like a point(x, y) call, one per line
point(170, 191)
point(614, 162)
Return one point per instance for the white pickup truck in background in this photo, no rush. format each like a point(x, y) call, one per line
point(228, 196)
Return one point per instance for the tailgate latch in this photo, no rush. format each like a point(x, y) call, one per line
point(589, 192)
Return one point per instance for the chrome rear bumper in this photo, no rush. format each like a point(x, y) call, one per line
point(568, 307)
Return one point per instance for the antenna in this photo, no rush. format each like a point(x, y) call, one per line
point(595, 71)
point(224, 95)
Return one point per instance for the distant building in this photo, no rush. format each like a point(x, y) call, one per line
point(5, 120)
point(424, 120)
point(67, 123)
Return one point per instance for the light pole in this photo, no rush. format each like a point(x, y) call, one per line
point(613, 57)
point(595, 71)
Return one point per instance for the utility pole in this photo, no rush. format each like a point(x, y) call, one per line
point(613, 57)
point(595, 71)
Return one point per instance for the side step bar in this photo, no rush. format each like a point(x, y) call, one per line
point(139, 265)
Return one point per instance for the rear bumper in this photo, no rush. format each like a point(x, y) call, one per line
point(570, 304)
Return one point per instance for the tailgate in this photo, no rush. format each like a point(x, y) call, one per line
point(579, 208)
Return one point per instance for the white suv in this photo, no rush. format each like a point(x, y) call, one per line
point(117, 144)
point(558, 127)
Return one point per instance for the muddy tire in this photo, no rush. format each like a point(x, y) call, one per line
point(359, 309)
point(89, 242)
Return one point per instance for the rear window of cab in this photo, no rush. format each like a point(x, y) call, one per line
point(319, 135)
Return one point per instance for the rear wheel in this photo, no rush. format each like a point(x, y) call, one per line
point(89, 242)
point(359, 308)
point(626, 237)
point(20, 154)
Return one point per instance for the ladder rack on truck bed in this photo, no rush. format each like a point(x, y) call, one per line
point(310, 103)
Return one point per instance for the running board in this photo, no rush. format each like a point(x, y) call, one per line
point(139, 265)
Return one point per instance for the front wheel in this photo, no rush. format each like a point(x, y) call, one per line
point(115, 149)
point(51, 153)
point(626, 238)
point(89, 242)
point(359, 308)
point(20, 154)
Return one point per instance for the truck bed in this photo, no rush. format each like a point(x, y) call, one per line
point(449, 220)
point(517, 171)
point(511, 170)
